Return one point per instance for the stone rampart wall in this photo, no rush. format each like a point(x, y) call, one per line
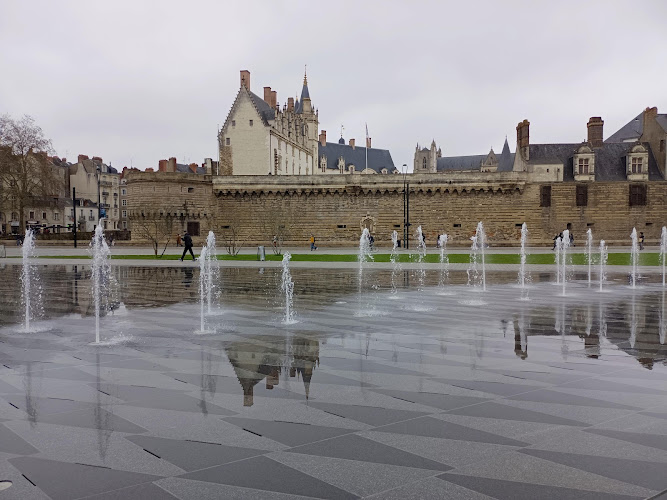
point(336, 208)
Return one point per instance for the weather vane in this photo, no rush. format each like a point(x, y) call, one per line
point(341, 129)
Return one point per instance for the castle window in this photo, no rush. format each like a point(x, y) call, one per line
point(233, 123)
point(583, 166)
point(191, 190)
point(582, 196)
point(123, 203)
point(251, 123)
point(637, 195)
point(228, 141)
point(637, 165)
point(545, 196)
point(424, 163)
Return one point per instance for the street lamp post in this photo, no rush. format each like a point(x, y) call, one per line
point(406, 209)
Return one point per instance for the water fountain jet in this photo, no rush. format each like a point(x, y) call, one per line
point(589, 253)
point(477, 273)
point(634, 258)
point(29, 279)
point(663, 252)
point(287, 287)
point(523, 278)
point(101, 275)
point(603, 263)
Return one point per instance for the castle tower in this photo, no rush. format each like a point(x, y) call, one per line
point(310, 117)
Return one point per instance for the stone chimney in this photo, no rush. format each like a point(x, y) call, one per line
point(208, 165)
point(352, 143)
point(274, 99)
point(162, 166)
point(290, 104)
point(150, 169)
point(323, 137)
point(267, 95)
point(82, 157)
point(245, 78)
point(595, 125)
point(523, 139)
point(98, 159)
point(171, 165)
point(193, 168)
point(368, 142)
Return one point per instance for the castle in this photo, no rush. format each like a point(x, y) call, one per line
point(259, 137)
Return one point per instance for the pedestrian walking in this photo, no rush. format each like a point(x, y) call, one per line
point(641, 241)
point(187, 239)
point(312, 243)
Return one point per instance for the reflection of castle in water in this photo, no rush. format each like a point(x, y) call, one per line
point(635, 327)
point(270, 357)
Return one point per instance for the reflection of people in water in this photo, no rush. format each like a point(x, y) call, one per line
point(189, 274)
point(592, 346)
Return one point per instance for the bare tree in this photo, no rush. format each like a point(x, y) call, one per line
point(232, 233)
point(155, 227)
point(27, 176)
point(277, 225)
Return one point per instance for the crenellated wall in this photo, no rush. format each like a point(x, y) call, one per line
point(336, 208)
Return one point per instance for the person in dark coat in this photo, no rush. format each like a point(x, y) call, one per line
point(187, 241)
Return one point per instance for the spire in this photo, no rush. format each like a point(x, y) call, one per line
point(305, 76)
point(305, 95)
point(506, 148)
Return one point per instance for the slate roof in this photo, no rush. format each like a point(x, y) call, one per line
point(265, 111)
point(634, 128)
point(474, 162)
point(610, 163)
point(377, 158)
point(185, 169)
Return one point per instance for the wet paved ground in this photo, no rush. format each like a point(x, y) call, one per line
point(432, 393)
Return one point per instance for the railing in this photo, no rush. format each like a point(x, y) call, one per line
point(106, 183)
point(91, 217)
point(105, 205)
point(105, 193)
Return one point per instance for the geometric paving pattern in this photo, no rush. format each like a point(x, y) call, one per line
point(459, 395)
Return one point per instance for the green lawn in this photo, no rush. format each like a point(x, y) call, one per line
point(615, 259)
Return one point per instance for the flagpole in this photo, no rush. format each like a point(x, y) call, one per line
point(366, 146)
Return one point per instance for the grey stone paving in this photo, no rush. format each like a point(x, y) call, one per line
point(473, 395)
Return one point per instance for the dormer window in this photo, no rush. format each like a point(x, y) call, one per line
point(637, 163)
point(384, 171)
point(583, 166)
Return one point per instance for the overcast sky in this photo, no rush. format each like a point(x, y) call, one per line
point(137, 81)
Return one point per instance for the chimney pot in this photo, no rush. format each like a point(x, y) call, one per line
point(274, 99)
point(595, 131)
point(368, 142)
point(267, 95)
point(323, 137)
point(523, 139)
point(352, 143)
point(193, 167)
point(162, 165)
point(171, 165)
point(290, 104)
point(82, 157)
point(245, 78)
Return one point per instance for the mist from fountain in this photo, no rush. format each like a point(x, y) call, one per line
point(633, 322)
point(565, 244)
point(101, 275)
point(477, 267)
point(589, 253)
point(663, 252)
point(287, 287)
point(29, 280)
point(603, 263)
point(395, 265)
point(634, 258)
point(444, 262)
point(421, 257)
